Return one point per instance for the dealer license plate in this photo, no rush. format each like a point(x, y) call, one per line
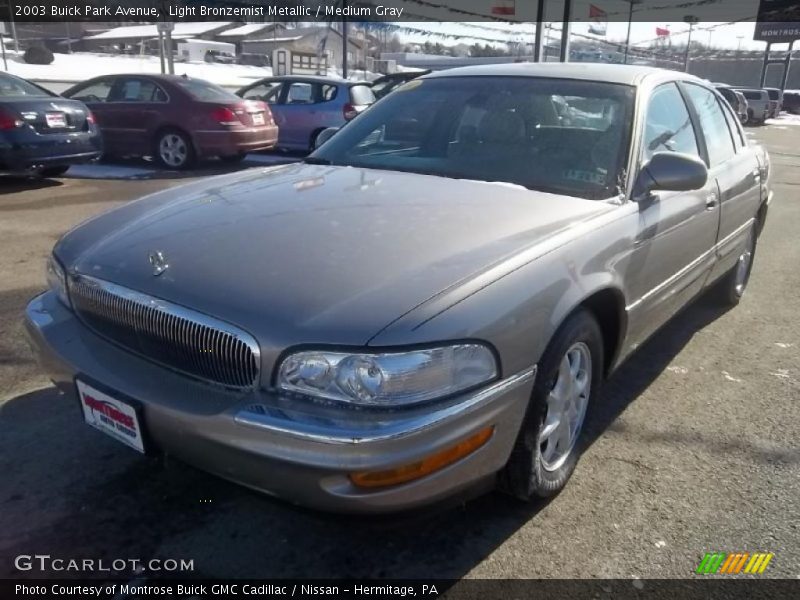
point(111, 416)
point(56, 119)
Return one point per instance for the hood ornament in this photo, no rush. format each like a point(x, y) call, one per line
point(158, 262)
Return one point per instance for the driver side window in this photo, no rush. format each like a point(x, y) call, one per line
point(267, 92)
point(668, 126)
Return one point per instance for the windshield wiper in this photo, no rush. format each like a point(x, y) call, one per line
point(314, 160)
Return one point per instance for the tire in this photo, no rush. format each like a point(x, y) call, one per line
point(233, 158)
point(731, 287)
point(312, 142)
point(54, 171)
point(173, 149)
point(536, 469)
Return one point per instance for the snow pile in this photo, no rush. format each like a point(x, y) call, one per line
point(785, 119)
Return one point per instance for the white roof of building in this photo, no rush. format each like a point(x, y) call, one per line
point(209, 44)
point(276, 39)
point(186, 29)
point(246, 29)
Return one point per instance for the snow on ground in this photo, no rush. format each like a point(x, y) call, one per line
point(785, 119)
point(81, 66)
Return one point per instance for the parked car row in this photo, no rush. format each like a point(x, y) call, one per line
point(178, 120)
point(175, 119)
point(754, 105)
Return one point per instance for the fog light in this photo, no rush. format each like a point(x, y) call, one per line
point(423, 467)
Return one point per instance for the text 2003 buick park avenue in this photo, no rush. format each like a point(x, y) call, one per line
point(428, 303)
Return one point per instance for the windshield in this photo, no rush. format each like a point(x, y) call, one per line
point(15, 87)
point(557, 135)
point(205, 91)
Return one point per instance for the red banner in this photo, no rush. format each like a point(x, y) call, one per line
point(503, 7)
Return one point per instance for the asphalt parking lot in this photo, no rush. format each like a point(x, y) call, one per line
point(695, 447)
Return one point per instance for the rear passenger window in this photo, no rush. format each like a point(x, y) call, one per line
point(668, 126)
point(733, 123)
point(713, 124)
point(300, 93)
point(94, 92)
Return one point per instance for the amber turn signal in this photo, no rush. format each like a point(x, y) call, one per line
point(423, 467)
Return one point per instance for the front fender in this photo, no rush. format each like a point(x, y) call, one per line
point(519, 312)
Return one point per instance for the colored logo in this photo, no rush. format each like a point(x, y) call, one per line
point(734, 563)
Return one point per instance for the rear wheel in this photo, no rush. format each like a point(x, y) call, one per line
point(312, 142)
point(730, 289)
point(54, 171)
point(173, 149)
point(549, 443)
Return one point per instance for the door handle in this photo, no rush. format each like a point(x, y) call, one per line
point(711, 201)
point(757, 174)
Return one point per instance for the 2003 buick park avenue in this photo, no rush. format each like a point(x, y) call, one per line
point(428, 303)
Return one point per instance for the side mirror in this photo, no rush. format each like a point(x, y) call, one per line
point(324, 136)
point(670, 171)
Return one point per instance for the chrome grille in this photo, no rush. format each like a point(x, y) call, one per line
point(182, 339)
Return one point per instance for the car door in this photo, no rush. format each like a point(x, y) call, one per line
point(297, 115)
point(137, 105)
point(673, 252)
point(734, 165)
point(95, 95)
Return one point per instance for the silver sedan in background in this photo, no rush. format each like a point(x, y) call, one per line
point(428, 304)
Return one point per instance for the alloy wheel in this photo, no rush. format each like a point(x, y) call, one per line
point(566, 406)
point(173, 150)
point(743, 266)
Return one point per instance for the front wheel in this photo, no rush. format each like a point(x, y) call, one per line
point(173, 149)
point(550, 440)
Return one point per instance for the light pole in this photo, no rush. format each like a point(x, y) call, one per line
point(13, 27)
point(692, 21)
point(630, 19)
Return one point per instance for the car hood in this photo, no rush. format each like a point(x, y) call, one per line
point(316, 254)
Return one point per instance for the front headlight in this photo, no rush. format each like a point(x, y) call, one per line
point(57, 280)
point(388, 378)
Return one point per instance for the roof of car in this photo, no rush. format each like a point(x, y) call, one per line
point(315, 79)
point(610, 73)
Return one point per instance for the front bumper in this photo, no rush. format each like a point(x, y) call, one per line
point(276, 445)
